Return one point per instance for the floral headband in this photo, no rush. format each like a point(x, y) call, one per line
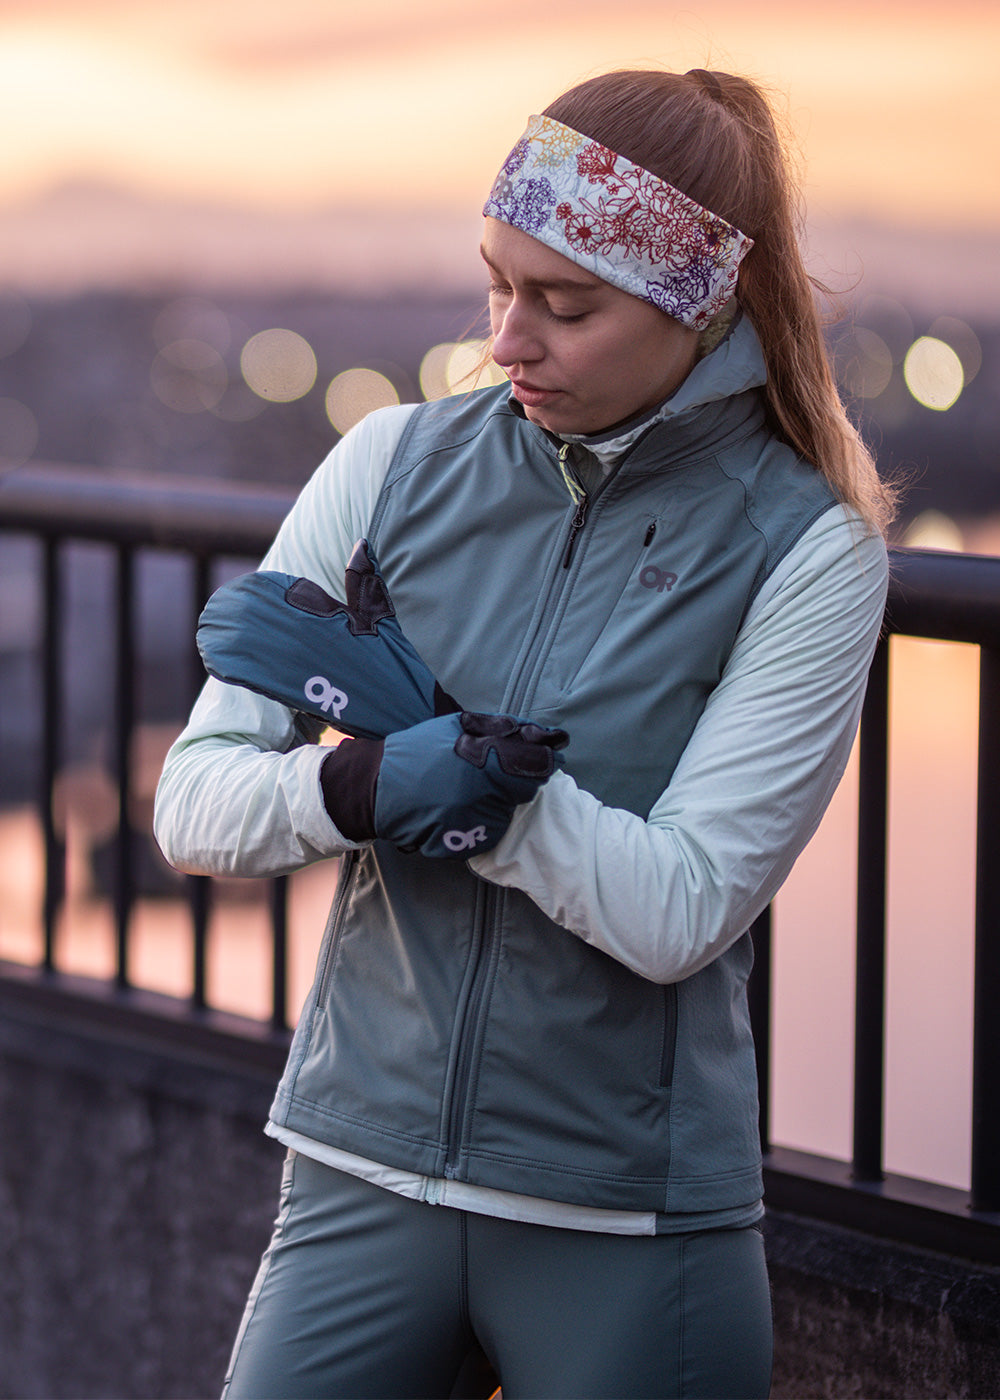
point(619, 221)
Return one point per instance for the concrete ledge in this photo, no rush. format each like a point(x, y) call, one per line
point(855, 1316)
point(137, 1191)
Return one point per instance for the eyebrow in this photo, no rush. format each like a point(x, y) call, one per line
point(561, 284)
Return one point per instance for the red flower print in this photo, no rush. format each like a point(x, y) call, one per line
point(578, 228)
point(597, 162)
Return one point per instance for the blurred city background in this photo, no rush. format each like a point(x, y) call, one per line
point(229, 230)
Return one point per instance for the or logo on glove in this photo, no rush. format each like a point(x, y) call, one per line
point(465, 840)
point(449, 786)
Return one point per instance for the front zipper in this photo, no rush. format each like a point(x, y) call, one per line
point(486, 933)
point(576, 525)
point(516, 697)
point(467, 1034)
point(578, 495)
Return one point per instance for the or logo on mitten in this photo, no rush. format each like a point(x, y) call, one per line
point(319, 690)
point(268, 631)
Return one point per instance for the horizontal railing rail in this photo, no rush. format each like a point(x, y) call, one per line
point(199, 517)
point(947, 597)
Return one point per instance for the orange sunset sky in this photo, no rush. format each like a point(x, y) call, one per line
point(289, 110)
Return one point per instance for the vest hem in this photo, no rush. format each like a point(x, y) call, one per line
point(576, 1185)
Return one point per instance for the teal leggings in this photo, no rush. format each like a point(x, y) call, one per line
point(365, 1293)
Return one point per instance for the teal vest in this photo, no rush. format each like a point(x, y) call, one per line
point(453, 1029)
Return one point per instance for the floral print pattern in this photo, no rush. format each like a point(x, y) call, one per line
point(619, 221)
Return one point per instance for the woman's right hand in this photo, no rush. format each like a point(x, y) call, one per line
point(447, 787)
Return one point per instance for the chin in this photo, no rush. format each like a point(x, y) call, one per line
point(557, 422)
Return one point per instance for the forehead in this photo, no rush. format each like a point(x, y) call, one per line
point(514, 253)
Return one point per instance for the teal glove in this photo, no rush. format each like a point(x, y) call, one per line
point(347, 664)
point(446, 788)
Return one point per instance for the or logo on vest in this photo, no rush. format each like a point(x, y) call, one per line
point(319, 690)
point(465, 840)
point(660, 579)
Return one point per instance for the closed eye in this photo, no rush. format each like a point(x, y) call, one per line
point(499, 289)
point(565, 320)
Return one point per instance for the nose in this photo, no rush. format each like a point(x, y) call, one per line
point(515, 335)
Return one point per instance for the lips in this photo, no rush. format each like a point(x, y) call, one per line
point(532, 395)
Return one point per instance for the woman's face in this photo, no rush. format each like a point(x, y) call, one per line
point(581, 354)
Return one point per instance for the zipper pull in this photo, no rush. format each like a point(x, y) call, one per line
point(649, 535)
point(579, 520)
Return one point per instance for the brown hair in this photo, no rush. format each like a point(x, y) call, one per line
point(713, 136)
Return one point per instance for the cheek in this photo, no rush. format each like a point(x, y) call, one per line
point(624, 369)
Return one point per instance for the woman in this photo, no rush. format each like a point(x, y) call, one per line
point(520, 1106)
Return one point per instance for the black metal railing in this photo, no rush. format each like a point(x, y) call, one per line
point(946, 597)
point(209, 524)
point(953, 598)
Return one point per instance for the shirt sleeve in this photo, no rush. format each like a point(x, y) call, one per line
point(240, 791)
point(667, 895)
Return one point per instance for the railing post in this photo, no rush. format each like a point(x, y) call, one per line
point(51, 711)
point(279, 961)
point(759, 999)
point(869, 1008)
point(986, 1024)
point(200, 904)
point(199, 886)
point(125, 667)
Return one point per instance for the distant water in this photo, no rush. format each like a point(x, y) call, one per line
point(932, 815)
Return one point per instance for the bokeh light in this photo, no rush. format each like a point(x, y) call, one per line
point(18, 433)
point(279, 365)
point(239, 404)
point(354, 394)
point(932, 529)
point(456, 367)
point(963, 340)
point(890, 320)
point(189, 376)
point(933, 373)
point(470, 366)
point(864, 363)
point(193, 318)
point(433, 379)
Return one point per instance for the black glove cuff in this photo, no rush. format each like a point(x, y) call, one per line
point(348, 776)
point(443, 703)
